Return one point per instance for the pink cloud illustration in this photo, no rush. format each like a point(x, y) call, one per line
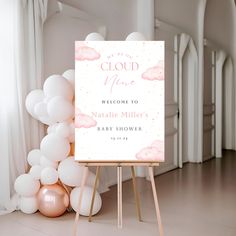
point(154, 73)
point(154, 152)
point(84, 121)
point(158, 144)
point(83, 53)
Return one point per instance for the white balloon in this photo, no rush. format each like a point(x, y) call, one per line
point(60, 109)
point(40, 109)
point(54, 147)
point(52, 128)
point(135, 36)
point(14, 203)
point(94, 37)
point(86, 201)
point(72, 133)
point(70, 76)
point(72, 138)
point(34, 157)
point(45, 162)
point(63, 129)
point(28, 205)
point(46, 120)
point(35, 171)
point(57, 85)
point(46, 99)
point(72, 128)
point(75, 171)
point(26, 185)
point(32, 99)
point(49, 176)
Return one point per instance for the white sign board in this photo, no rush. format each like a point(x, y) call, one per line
point(119, 100)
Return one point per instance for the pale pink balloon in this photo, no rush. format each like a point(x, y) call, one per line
point(154, 73)
point(53, 200)
point(84, 121)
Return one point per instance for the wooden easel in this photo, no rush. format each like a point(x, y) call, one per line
point(119, 166)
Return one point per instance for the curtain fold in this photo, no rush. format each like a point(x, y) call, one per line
point(21, 71)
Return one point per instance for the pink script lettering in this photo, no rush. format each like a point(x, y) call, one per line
point(115, 82)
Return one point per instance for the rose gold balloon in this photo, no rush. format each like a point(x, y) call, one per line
point(52, 200)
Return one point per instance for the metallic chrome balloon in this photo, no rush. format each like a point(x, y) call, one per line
point(52, 200)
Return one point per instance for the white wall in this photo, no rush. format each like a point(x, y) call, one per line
point(182, 14)
point(220, 28)
point(220, 25)
point(119, 15)
point(61, 30)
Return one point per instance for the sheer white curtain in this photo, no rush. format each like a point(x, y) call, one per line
point(21, 25)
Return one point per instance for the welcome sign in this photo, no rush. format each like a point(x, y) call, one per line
point(119, 100)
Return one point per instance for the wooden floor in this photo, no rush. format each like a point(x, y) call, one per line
point(198, 200)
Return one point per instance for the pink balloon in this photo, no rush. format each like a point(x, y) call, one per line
point(53, 200)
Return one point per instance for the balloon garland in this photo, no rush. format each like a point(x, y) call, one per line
point(54, 172)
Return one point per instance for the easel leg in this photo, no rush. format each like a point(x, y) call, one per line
point(136, 195)
point(150, 168)
point(119, 196)
point(94, 192)
point(83, 182)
